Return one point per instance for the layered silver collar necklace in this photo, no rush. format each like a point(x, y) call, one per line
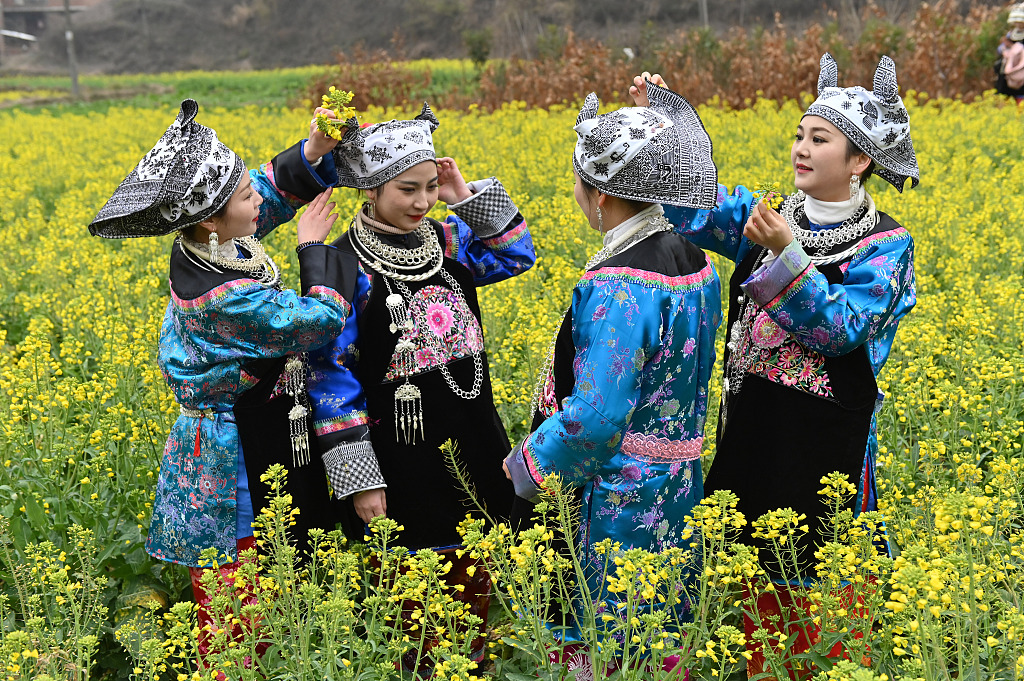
point(259, 265)
point(862, 221)
point(400, 264)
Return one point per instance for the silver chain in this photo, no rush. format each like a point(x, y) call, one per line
point(435, 343)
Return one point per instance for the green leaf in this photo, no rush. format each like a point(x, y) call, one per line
point(35, 514)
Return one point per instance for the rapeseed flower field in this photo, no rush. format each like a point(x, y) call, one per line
point(84, 411)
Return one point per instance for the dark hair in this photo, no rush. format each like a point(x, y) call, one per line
point(632, 203)
point(190, 231)
point(851, 151)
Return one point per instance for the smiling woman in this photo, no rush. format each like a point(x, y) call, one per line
point(409, 370)
point(818, 292)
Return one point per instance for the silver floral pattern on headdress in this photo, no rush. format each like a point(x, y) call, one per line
point(184, 179)
point(658, 154)
point(368, 157)
point(875, 121)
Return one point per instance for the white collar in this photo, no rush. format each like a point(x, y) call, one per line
point(226, 250)
point(629, 225)
point(832, 212)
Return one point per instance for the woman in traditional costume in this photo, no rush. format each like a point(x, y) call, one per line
point(621, 406)
point(409, 370)
point(232, 340)
point(814, 303)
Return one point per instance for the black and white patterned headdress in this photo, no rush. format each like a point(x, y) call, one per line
point(658, 153)
point(187, 177)
point(368, 157)
point(876, 121)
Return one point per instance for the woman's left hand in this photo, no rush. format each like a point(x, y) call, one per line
point(504, 467)
point(451, 186)
point(765, 227)
point(318, 143)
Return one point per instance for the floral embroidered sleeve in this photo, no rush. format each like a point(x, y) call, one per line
point(287, 183)
point(488, 235)
point(613, 342)
point(721, 229)
point(878, 289)
point(243, 317)
point(339, 407)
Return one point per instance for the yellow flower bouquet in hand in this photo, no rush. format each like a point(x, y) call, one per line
point(337, 101)
point(769, 194)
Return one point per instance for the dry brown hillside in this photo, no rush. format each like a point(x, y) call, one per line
point(162, 35)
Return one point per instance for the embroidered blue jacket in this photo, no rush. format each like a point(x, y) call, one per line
point(626, 427)
point(207, 338)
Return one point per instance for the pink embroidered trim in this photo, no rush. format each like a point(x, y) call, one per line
point(356, 418)
point(328, 293)
point(688, 282)
point(656, 449)
point(268, 170)
point(531, 465)
point(891, 234)
point(503, 241)
point(213, 295)
point(451, 239)
point(791, 289)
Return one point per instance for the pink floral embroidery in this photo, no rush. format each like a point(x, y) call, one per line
point(791, 365)
point(657, 449)
point(439, 318)
point(449, 329)
point(766, 333)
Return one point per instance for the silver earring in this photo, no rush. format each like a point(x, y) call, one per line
point(369, 209)
point(214, 244)
point(854, 186)
point(600, 220)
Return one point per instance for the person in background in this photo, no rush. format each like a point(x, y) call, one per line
point(1009, 67)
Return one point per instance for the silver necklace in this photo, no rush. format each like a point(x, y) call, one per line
point(631, 237)
point(259, 264)
point(852, 228)
point(392, 261)
point(408, 398)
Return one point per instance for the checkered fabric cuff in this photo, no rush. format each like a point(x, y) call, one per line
point(489, 211)
point(352, 467)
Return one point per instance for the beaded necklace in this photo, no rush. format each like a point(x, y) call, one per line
point(259, 264)
point(399, 265)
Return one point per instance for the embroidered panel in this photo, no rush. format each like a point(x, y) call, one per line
point(656, 449)
point(444, 329)
point(774, 354)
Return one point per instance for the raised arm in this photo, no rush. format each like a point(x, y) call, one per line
point(833, 319)
point(487, 234)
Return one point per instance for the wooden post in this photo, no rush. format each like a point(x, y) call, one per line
point(3, 43)
point(69, 37)
point(144, 19)
point(704, 13)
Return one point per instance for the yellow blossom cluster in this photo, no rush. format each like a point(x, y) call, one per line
point(84, 411)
